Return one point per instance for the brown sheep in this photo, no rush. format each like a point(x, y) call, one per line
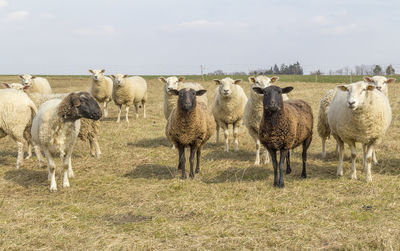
point(284, 126)
point(190, 124)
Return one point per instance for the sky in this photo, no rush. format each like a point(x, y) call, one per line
point(173, 37)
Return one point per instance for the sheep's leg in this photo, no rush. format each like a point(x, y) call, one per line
point(29, 151)
point(266, 157)
point(91, 145)
point(191, 160)
point(374, 159)
point(368, 161)
point(337, 149)
point(144, 109)
point(283, 155)
point(20, 157)
point(340, 146)
point(353, 172)
point(198, 160)
point(217, 133)
point(97, 147)
point(182, 160)
point(67, 168)
point(323, 148)
point(127, 113)
point(52, 171)
point(105, 109)
point(288, 169)
point(306, 144)
point(38, 155)
point(275, 165)
point(226, 136)
point(258, 146)
point(137, 110)
point(119, 113)
point(235, 133)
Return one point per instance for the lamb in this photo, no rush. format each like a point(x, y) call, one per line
point(37, 84)
point(89, 129)
point(17, 111)
point(228, 108)
point(381, 83)
point(56, 127)
point(284, 126)
point(254, 109)
point(101, 88)
point(359, 113)
point(190, 124)
point(128, 91)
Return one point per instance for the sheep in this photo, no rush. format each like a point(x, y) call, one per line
point(38, 84)
point(128, 91)
point(359, 113)
point(56, 126)
point(16, 86)
point(190, 124)
point(101, 88)
point(254, 109)
point(323, 129)
point(16, 111)
point(89, 129)
point(380, 82)
point(284, 126)
point(170, 100)
point(228, 108)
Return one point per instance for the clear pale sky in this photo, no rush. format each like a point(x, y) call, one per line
point(176, 36)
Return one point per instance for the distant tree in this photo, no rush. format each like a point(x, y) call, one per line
point(217, 73)
point(390, 70)
point(276, 69)
point(377, 70)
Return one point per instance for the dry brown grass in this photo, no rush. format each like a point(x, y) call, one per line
point(132, 198)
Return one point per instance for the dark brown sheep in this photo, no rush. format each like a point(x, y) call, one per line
point(284, 126)
point(190, 124)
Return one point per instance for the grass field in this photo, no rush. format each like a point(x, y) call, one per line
point(133, 198)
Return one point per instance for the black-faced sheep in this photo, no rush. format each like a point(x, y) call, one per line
point(284, 126)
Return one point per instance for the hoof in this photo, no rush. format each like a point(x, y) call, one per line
point(288, 170)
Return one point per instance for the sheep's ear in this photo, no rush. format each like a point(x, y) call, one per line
point(217, 81)
point(200, 92)
point(113, 76)
point(91, 71)
point(33, 77)
point(274, 79)
point(391, 80)
point(237, 81)
point(368, 79)
point(162, 80)
point(6, 85)
point(287, 89)
point(342, 87)
point(26, 87)
point(180, 79)
point(174, 92)
point(258, 90)
point(102, 71)
point(125, 76)
point(252, 80)
point(370, 87)
point(22, 77)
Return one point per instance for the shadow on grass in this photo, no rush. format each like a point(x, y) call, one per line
point(219, 154)
point(151, 142)
point(234, 174)
point(26, 177)
point(387, 166)
point(152, 171)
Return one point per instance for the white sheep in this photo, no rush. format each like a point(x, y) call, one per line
point(228, 108)
point(101, 88)
point(323, 129)
point(16, 86)
point(380, 82)
point(128, 91)
point(253, 111)
point(37, 84)
point(16, 111)
point(56, 127)
point(170, 100)
point(359, 113)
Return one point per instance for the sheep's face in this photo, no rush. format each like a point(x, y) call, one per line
point(118, 79)
point(226, 85)
point(86, 106)
point(356, 93)
point(171, 83)
point(27, 79)
point(273, 100)
point(262, 81)
point(16, 86)
point(380, 82)
point(97, 75)
point(187, 98)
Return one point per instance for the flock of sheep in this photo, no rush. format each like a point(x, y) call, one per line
point(48, 122)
